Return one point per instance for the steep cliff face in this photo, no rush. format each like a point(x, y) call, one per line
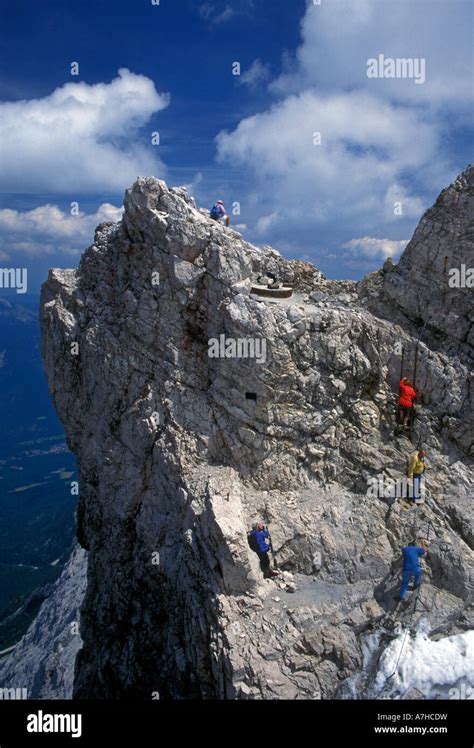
point(431, 284)
point(182, 445)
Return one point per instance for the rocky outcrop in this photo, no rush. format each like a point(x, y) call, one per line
point(431, 287)
point(42, 663)
point(195, 408)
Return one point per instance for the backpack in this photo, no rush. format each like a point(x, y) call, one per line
point(252, 541)
point(215, 213)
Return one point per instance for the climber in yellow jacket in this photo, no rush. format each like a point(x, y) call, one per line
point(416, 468)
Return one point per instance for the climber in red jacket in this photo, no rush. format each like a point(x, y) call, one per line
point(405, 402)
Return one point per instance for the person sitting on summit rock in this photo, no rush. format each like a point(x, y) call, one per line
point(218, 213)
point(258, 542)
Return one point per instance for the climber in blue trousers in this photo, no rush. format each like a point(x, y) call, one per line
point(411, 566)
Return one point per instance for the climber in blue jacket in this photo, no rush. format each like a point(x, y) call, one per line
point(411, 566)
point(258, 542)
point(218, 213)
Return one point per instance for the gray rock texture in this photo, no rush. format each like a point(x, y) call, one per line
point(179, 452)
point(429, 288)
point(43, 661)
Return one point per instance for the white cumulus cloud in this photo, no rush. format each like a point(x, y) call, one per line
point(399, 202)
point(339, 37)
point(338, 152)
point(48, 229)
point(364, 147)
point(81, 138)
point(255, 75)
point(379, 248)
point(265, 222)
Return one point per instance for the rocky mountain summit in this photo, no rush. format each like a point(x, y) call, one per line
point(195, 408)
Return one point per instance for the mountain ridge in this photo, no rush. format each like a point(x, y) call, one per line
point(180, 453)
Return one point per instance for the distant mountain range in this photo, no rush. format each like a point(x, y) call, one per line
point(36, 469)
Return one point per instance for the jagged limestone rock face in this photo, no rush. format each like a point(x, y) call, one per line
point(431, 284)
point(179, 452)
point(43, 661)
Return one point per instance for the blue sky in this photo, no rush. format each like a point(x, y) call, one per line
point(388, 146)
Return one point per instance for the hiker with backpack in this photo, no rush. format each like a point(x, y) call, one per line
point(416, 468)
point(218, 213)
point(411, 565)
point(405, 402)
point(257, 539)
